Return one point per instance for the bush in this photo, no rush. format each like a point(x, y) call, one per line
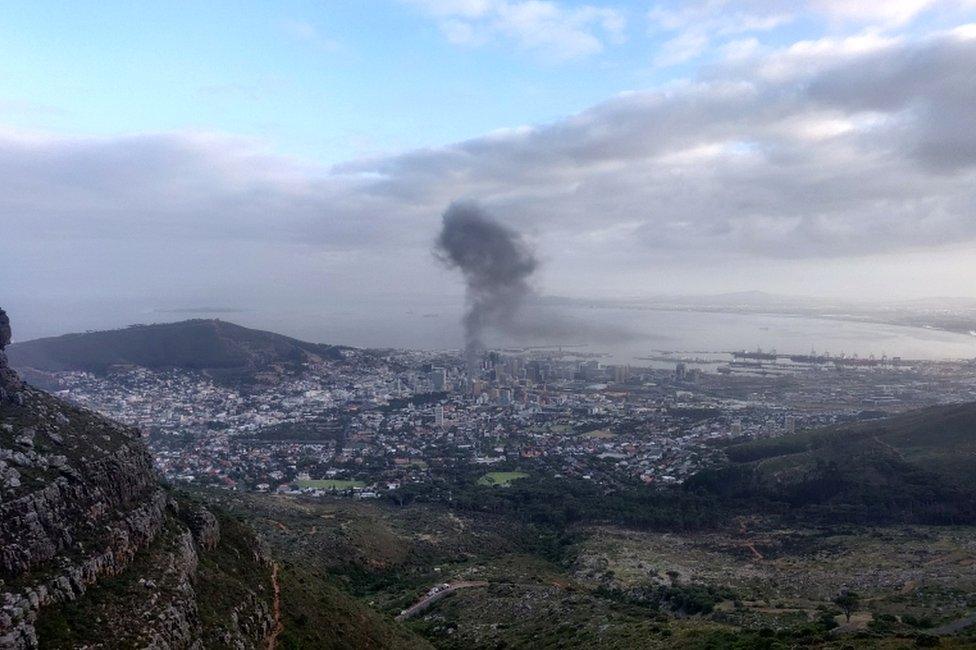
point(827, 621)
point(917, 622)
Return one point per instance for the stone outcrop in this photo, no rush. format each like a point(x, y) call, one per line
point(203, 525)
point(79, 503)
point(10, 383)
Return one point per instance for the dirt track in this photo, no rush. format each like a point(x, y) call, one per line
point(427, 601)
point(276, 609)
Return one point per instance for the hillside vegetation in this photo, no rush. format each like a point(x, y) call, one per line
point(917, 467)
point(753, 582)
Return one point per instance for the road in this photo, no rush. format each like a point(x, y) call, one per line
point(427, 601)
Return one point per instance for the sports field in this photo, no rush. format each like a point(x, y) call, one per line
point(500, 478)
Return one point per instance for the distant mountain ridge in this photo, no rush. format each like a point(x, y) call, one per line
point(198, 344)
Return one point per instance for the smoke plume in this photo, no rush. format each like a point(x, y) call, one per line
point(496, 265)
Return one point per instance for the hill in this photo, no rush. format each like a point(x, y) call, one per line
point(916, 467)
point(208, 345)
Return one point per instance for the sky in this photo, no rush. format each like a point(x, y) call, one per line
point(277, 155)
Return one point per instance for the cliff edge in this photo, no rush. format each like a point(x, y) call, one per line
point(95, 552)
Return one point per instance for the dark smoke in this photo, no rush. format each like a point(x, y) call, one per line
point(496, 265)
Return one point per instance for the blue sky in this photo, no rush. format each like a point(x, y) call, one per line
point(300, 152)
point(326, 80)
point(330, 80)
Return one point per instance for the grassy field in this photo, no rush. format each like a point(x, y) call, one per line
point(330, 484)
point(500, 478)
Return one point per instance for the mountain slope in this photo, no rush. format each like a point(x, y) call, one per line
point(940, 439)
point(915, 467)
point(193, 344)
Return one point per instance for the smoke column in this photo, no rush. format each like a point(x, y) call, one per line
point(496, 265)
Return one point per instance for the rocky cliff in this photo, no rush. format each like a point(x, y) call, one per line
point(10, 383)
point(94, 552)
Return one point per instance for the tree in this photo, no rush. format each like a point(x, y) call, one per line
point(848, 602)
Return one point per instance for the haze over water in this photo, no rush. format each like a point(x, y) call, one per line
point(624, 334)
point(627, 334)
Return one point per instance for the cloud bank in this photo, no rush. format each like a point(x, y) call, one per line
point(830, 148)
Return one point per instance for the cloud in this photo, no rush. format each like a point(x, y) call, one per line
point(890, 13)
point(309, 34)
point(681, 48)
point(722, 16)
point(542, 26)
point(829, 149)
point(694, 29)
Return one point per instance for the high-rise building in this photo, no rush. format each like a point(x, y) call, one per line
point(438, 379)
point(439, 416)
point(680, 370)
point(590, 370)
point(621, 374)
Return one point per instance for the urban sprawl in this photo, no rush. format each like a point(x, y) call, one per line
point(378, 421)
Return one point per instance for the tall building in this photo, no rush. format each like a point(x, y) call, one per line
point(680, 371)
point(438, 379)
point(590, 370)
point(621, 374)
point(439, 416)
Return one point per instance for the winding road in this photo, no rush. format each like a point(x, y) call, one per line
point(430, 599)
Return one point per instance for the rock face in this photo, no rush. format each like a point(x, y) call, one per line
point(82, 511)
point(10, 383)
point(5, 332)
